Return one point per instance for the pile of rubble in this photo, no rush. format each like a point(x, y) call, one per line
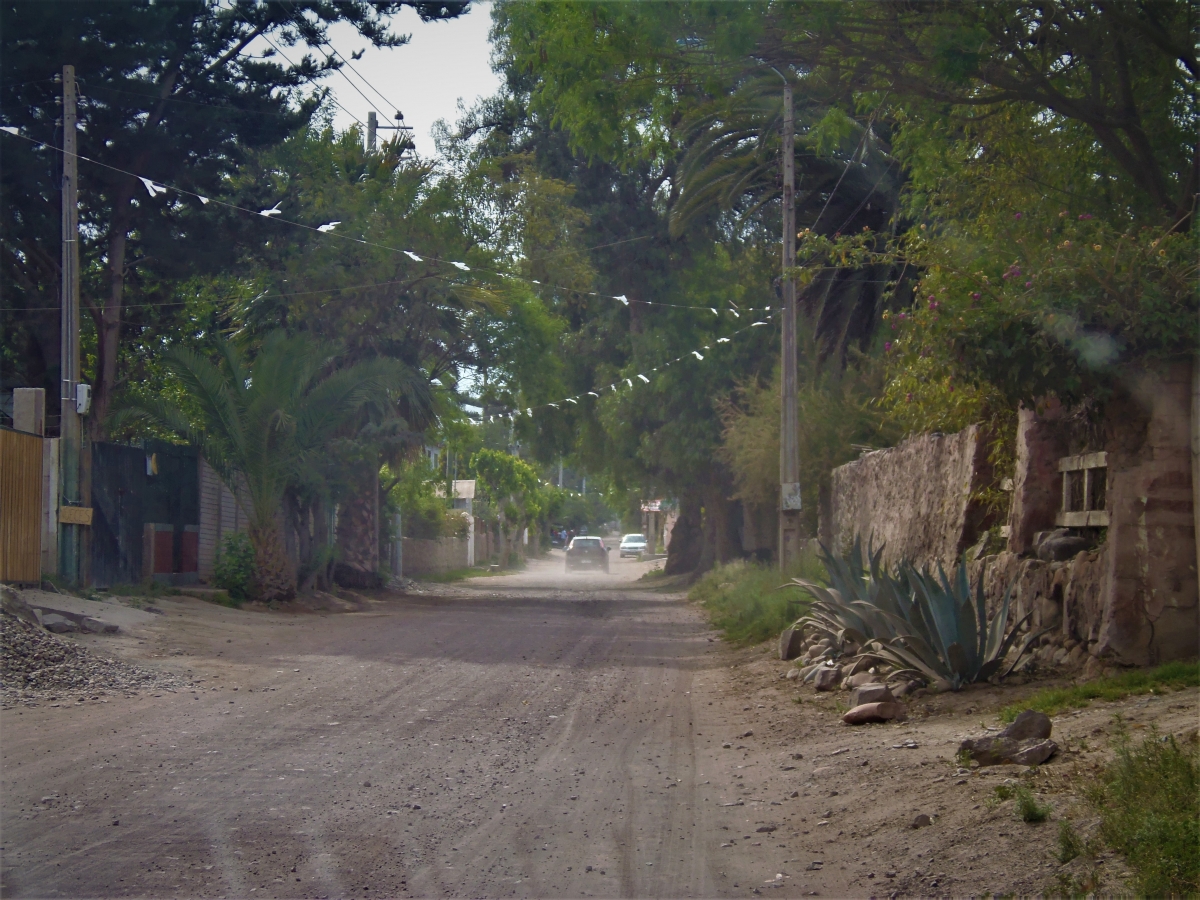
point(36, 665)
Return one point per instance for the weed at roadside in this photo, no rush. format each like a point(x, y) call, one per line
point(1115, 687)
point(1148, 798)
point(1027, 806)
point(742, 599)
point(1070, 844)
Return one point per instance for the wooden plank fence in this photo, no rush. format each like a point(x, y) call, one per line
point(20, 506)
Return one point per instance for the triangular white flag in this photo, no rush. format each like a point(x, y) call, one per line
point(203, 200)
point(722, 340)
point(572, 400)
point(697, 354)
point(462, 266)
point(413, 256)
point(623, 299)
point(325, 229)
point(273, 211)
point(628, 382)
point(153, 189)
point(644, 378)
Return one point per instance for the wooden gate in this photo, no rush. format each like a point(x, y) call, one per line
point(20, 506)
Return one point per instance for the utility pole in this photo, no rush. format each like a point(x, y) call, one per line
point(70, 536)
point(789, 425)
point(372, 126)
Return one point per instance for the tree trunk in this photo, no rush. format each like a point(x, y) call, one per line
point(273, 575)
point(358, 533)
point(683, 552)
point(107, 318)
point(322, 552)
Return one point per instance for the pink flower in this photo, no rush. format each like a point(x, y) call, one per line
point(902, 316)
point(975, 296)
point(908, 397)
point(1016, 215)
point(1085, 216)
point(1029, 284)
point(933, 304)
point(887, 346)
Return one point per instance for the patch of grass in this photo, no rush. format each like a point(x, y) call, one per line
point(742, 598)
point(222, 598)
point(1028, 807)
point(1148, 798)
point(462, 575)
point(1070, 844)
point(1051, 701)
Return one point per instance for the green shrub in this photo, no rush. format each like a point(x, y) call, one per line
point(233, 569)
point(1148, 798)
point(744, 601)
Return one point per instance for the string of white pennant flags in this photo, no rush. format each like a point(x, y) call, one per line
point(328, 229)
point(615, 387)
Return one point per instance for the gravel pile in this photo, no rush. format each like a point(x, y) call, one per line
point(36, 665)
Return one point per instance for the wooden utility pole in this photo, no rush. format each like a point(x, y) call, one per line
point(70, 534)
point(372, 127)
point(789, 436)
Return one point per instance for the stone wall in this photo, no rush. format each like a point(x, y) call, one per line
point(1132, 600)
point(915, 499)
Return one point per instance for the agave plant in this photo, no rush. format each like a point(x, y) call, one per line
point(936, 629)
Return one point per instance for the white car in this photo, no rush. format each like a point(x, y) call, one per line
point(632, 545)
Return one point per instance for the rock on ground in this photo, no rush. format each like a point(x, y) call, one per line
point(885, 711)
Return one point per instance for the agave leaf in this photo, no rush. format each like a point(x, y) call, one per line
point(996, 632)
point(934, 669)
point(1016, 633)
point(981, 622)
point(1024, 649)
point(959, 662)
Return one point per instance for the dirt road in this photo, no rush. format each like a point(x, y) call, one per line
point(532, 735)
point(540, 734)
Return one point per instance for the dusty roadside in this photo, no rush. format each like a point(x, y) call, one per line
point(530, 735)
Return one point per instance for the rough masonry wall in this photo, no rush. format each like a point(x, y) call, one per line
point(914, 499)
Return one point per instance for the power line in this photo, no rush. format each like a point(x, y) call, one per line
point(346, 62)
point(331, 97)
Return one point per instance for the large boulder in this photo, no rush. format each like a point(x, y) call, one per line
point(1029, 725)
point(998, 751)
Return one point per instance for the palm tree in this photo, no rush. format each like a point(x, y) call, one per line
point(267, 425)
point(846, 180)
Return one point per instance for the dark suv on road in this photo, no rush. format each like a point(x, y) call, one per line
point(587, 553)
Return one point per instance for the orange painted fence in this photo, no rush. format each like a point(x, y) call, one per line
point(20, 506)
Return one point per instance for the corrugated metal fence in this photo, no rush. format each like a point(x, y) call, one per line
point(20, 506)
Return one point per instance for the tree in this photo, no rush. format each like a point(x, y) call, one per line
point(269, 425)
point(510, 486)
point(171, 92)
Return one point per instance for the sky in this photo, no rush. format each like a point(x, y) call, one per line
point(442, 63)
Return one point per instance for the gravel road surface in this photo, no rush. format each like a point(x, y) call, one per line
point(532, 735)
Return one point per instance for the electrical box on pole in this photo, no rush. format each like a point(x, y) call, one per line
point(70, 535)
point(789, 425)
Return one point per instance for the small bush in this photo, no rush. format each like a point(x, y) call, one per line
point(1115, 687)
point(1149, 803)
point(743, 600)
point(1028, 807)
point(233, 569)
